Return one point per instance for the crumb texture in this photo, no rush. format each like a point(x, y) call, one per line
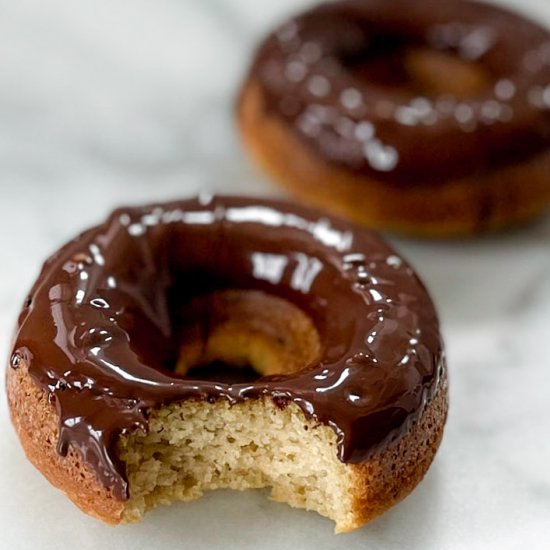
point(196, 446)
point(193, 447)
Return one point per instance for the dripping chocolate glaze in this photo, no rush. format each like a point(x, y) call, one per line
point(99, 335)
point(390, 132)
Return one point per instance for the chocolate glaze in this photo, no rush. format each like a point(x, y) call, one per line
point(331, 75)
point(98, 329)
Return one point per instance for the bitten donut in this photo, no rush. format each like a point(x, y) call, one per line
point(418, 116)
point(113, 388)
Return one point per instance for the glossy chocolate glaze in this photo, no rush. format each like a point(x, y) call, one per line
point(99, 329)
point(331, 75)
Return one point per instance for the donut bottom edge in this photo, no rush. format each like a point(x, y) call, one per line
point(482, 203)
point(225, 445)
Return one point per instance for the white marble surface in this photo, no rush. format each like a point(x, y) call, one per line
point(103, 103)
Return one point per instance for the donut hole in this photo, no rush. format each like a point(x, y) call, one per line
point(391, 62)
point(236, 336)
point(439, 72)
point(225, 373)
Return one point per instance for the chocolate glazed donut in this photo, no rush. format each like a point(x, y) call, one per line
point(102, 330)
point(427, 117)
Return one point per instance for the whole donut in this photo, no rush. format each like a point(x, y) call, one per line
point(351, 391)
point(418, 116)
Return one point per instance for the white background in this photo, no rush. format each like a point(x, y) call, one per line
point(103, 103)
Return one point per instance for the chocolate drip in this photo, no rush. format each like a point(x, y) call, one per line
point(98, 332)
point(335, 76)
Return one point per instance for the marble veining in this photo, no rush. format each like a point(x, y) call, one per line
point(108, 103)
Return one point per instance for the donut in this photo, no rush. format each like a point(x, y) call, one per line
point(227, 342)
point(425, 117)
